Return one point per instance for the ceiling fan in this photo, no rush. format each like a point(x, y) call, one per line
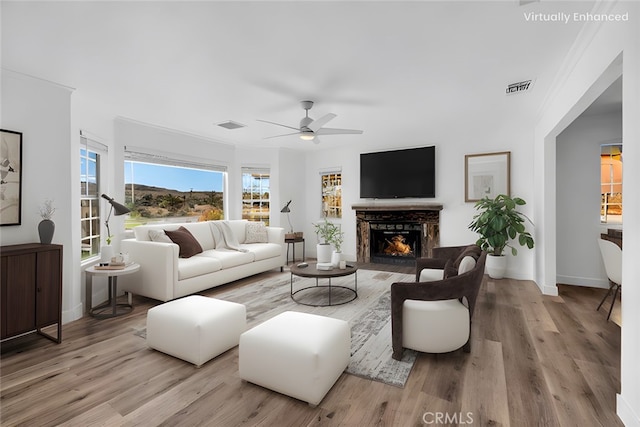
point(309, 129)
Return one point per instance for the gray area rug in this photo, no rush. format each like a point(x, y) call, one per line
point(369, 316)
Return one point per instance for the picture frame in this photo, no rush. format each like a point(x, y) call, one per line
point(10, 177)
point(487, 175)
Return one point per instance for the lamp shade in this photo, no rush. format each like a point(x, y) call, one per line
point(117, 207)
point(286, 209)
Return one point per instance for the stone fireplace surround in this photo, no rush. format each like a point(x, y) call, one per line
point(426, 214)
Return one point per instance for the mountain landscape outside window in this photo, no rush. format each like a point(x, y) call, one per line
point(165, 193)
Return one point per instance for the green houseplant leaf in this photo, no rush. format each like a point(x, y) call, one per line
point(328, 232)
point(498, 222)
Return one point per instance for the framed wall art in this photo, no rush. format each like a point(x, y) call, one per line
point(486, 175)
point(10, 177)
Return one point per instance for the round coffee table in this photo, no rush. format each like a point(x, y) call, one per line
point(328, 294)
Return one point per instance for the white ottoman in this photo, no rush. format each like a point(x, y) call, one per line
point(195, 328)
point(297, 354)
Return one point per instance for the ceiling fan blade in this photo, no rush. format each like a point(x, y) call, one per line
point(278, 124)
point(278, 136)
point(331, 131)
point(317, 124)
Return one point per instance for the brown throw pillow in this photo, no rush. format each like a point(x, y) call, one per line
point(471, 250)
point(449, 270)
point(188, 244)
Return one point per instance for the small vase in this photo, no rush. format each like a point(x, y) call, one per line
point(46, 227)
point(336, 257)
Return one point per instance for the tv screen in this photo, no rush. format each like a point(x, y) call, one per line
point(398, 173)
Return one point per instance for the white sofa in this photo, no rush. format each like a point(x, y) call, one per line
point(165, 276)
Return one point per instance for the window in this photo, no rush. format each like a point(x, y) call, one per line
point(611, 183)
point(162, 189)
point(332, 195)
point(92, 154)
point(255, 195)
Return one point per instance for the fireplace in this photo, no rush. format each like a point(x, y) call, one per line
point(396, 234)
point(394, 243)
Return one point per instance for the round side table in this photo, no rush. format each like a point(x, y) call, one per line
point(110, 308)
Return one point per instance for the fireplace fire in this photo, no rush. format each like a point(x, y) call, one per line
point(395, 243)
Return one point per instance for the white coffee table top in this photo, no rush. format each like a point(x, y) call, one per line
point(128, 269)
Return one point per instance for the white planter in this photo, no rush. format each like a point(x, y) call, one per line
point(106, 253)
point(336, 257)
point(496, 266)
point(323, 252)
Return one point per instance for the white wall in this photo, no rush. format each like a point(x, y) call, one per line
point(514, 136)
point(578, 258)
point(41, 110)
point(602, 52)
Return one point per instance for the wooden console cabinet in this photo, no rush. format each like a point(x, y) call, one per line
point(31, 291)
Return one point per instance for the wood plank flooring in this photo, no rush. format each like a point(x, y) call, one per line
point(535, 360)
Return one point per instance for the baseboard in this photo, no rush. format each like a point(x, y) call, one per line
point(626, 413)
point(582, 281)
point(74, 314)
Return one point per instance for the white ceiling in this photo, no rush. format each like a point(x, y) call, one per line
point(396, 70)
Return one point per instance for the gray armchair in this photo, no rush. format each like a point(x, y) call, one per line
point(435, 316)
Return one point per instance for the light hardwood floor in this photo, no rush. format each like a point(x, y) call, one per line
point(535, 360)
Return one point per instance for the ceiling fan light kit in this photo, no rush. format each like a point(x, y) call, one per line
point(309, 128)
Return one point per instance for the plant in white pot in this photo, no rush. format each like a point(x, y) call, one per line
point(498, 223)
point(329, 237)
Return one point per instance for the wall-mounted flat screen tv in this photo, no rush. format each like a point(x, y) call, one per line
point(398, 173)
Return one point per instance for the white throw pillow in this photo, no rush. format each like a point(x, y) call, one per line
point(468, 263)
point(159, 236)
point(255, 232)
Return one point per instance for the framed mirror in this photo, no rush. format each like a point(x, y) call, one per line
point(486, 175)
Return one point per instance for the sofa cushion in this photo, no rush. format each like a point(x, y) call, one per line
point(255, 232)
point(197, 265)
point(263, 250)
point(202, 232)
point(159, 236)
point(188, 244)
point(228, 257)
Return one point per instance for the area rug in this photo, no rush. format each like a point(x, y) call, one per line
point(369, 316)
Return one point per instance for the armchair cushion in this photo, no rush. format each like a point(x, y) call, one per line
point(467, 264)
point(463, 288)
point(471, 250)
point(449, 271)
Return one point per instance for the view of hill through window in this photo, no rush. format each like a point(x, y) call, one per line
point(161, 193)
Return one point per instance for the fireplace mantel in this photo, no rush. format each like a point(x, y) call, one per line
point(384, 207)
point(425, 214)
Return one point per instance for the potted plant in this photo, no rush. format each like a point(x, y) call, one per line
point(498, 223)
point(328, 234)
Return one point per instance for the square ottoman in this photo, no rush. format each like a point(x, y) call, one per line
point(298, 354)
point(195, 328)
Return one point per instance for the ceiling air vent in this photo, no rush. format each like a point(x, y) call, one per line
point(230, 124)
point(519, 87)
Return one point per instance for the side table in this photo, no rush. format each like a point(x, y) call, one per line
point(292, 242)
point(110, 308)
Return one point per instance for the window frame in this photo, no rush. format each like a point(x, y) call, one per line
point(89, 145)
point(250, 173)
